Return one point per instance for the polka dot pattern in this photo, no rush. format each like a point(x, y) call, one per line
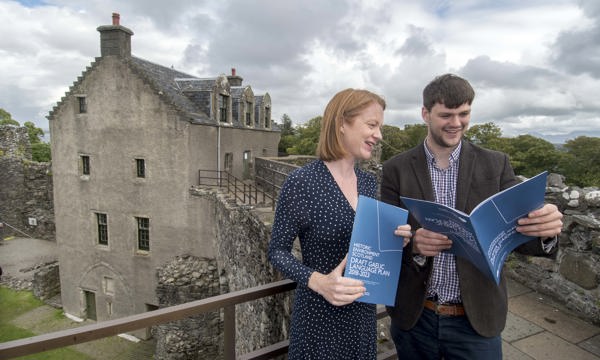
point(313, 208)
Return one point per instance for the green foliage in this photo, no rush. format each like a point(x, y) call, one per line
point(287, 134)
point(40, 152)
point(306, 138)
point(581, 163)
point(483, 134)
point(6, 118)
point(530, 155)
point(394, 141)
point(35, 133)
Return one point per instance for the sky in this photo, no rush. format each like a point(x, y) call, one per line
point(534, 65)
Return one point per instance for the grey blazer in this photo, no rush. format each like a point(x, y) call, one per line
point(481, 174)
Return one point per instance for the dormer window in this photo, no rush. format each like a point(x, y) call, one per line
point(267, 117)
point(248, 109)
point(223, 108)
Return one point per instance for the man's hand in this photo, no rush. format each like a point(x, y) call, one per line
point(335, 288)
point(544, 222)
point(429, 243)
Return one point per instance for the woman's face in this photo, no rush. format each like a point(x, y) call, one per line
point(363, 132)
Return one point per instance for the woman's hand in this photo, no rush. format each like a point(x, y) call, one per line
point(335, 288)
point(404, 231)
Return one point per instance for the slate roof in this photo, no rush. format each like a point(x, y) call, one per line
point(169, 81)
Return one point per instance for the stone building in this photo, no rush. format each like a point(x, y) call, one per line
point(128, 141)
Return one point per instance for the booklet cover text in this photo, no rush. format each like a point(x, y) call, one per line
point(375, 253)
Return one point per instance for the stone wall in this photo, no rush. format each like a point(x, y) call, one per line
point(242, 237)
point(26, 202)
point(46, 281)
point(189, 278)
point(573, 278)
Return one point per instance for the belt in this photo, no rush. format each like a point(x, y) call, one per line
point(445, 309)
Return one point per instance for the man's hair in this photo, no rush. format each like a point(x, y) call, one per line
point(342, 108)
point(450, 90)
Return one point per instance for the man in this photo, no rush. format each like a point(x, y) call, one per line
point(445, 307)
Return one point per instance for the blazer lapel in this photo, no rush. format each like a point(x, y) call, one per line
point(465, 175)
point(421, 173)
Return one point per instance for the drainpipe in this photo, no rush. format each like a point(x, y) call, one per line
point(219, 152)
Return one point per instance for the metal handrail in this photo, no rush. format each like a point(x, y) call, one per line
point(245, 193)
point(227, 302)
point(40, 343)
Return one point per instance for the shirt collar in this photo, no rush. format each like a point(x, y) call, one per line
point(454, 156)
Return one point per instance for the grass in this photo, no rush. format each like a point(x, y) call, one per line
point(15, 303)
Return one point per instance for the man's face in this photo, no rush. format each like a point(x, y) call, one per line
point(446, 127)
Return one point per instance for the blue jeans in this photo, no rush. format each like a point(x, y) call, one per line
point(437, 337)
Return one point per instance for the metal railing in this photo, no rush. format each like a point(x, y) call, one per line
point(246, 193)
point(227, 302)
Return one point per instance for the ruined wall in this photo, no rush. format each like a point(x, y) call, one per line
point(189, 278)
point(242, 240)
point(574, 277)
point(26, 204)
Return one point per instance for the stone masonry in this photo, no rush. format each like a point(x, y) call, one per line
point(26, 205)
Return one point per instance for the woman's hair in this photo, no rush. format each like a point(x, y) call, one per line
point(342, 108)
point(450, 90)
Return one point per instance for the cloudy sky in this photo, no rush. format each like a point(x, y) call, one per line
point(535, 65)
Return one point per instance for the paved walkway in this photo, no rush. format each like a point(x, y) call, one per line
point(537, 328)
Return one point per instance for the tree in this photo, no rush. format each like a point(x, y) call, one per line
point(483, 134)
point(530, 155)
point(394, 141)
point(581, 163)
point(6, 118)
point(287, 135)
point(306, 138)
point(415, 133)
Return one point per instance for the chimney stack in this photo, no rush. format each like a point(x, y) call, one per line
point(116, 17)
point(115, 39)
point(233, 79)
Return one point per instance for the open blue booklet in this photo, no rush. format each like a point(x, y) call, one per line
point(488, 235)
point(375, 253)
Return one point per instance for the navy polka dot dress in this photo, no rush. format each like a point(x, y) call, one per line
point(313, 208)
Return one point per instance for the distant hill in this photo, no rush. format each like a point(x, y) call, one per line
point(561, 139)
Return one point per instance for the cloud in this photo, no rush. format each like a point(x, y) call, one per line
point(532, 63)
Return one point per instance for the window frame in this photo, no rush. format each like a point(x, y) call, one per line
point(140, 168)
point(85, 165)
point(102, 227)
point(143, 233)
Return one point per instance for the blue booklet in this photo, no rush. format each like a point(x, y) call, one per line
point(488, 235)
point(375, 253)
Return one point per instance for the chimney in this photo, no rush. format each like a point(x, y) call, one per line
point(115, 39)
point(233, 79)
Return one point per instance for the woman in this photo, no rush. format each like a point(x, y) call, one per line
point(317, 204)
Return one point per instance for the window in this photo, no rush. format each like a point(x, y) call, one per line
point(108, 285)
point(82, 104)
point(143, 226)
point(102, 229)
point(248, 112)
point(267, 118)
point(140, 168)
point(85, 165)
point(223, 101)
